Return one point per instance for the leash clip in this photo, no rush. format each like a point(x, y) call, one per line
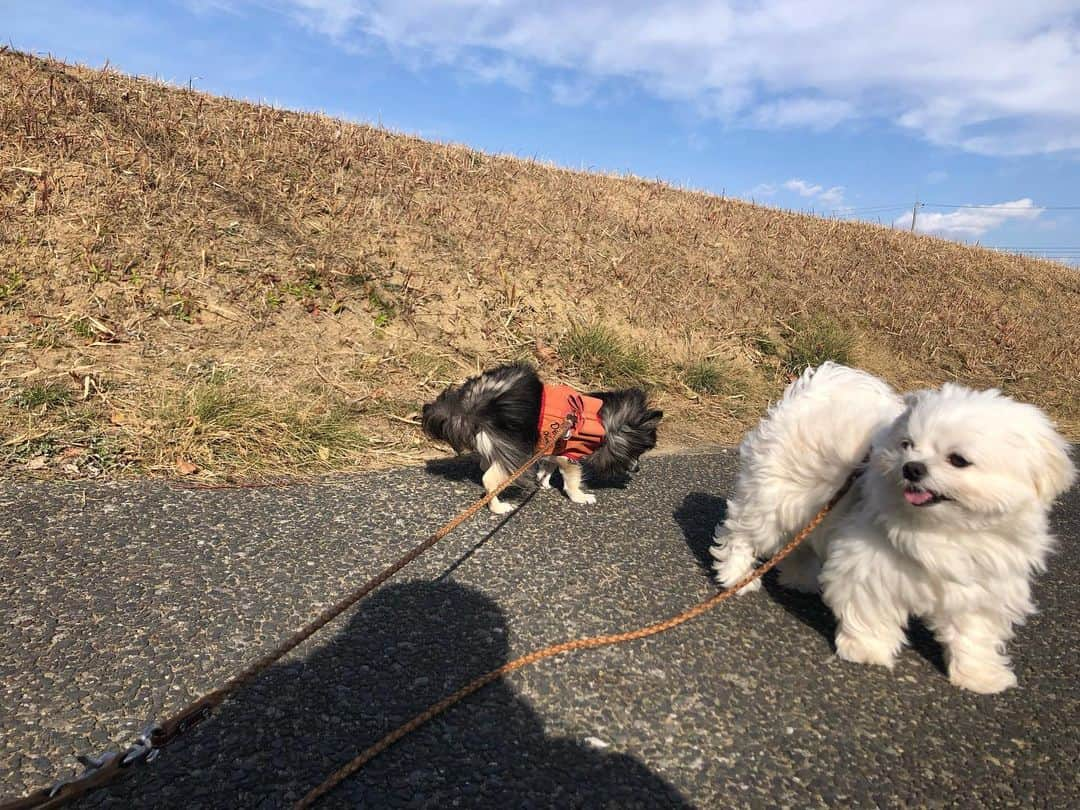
point(92, 766)
point(576, 414)
point(143, 750)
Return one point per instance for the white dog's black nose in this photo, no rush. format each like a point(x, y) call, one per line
point(914, 471)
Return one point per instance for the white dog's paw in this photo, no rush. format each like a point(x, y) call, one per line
point(864, 650)
point(581, 497)
point(727, 576)
point(498, 507)
point(986, 680)
point(731, 567)
point(543, 477)
point(748, 588)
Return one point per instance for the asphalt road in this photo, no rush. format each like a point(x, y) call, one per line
point(121, 602)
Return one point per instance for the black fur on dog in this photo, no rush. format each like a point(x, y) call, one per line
point(496, 415)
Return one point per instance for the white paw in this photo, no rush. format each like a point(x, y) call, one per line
point(581, 497)
point(984, 680)
point(543, 477)
point(719, 551)
point(749, 588)
point(729, 572)
point(500, 507)
point(861, 650)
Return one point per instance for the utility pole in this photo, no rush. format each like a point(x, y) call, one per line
point(914, 212)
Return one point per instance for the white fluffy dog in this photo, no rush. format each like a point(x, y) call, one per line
point(947, 522)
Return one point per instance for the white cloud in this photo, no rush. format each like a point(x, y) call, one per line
point(814, 114)
point(572, 93)
point(996, 78)
point(762, 190)
point(832, 197)
point(802, 188)
point(971, 223)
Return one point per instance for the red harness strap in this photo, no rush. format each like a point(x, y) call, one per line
point(586, 434)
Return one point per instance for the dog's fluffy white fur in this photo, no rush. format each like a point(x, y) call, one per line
point(947, 522)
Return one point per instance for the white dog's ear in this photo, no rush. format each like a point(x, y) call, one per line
point(1056, 473)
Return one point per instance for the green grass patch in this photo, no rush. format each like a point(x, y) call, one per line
point(308, 287)
point(219, 424)
point(10, 286)
point(49, 395)
point(426, 365)
point(599, 355)
point(322, 435)
point(766, 345)
point(384, 310)
point(82, 329)
point(812, 341)
point(710, 376)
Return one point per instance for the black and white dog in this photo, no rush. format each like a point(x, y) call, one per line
point(498, 415)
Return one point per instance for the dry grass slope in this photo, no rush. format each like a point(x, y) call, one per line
point(189, 282)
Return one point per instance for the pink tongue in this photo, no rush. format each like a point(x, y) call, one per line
point(917, 498)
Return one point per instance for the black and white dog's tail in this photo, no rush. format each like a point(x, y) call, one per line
point(629, 430)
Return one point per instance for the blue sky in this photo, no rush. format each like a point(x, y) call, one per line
point(852, 110)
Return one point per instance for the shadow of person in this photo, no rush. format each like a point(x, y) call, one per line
point(698, 515)
point(407, 646)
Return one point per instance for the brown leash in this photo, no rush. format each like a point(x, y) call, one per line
point(103, 770)
point(591, 642)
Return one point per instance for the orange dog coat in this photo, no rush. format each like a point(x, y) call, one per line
point(587, 431)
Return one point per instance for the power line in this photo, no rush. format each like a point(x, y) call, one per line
point(1031, 207)
point(843, 210)
point(907, 206)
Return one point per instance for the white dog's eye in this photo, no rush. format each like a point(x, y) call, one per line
point(906, 444)
point(958, 460)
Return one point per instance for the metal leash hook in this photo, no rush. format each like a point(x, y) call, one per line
point(142, 750)
point(92, 767)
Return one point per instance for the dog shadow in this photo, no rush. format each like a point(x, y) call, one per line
point(466, 469)
point(617, 481)
point(407, 646)
point(459, 469)
point(698, 515)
